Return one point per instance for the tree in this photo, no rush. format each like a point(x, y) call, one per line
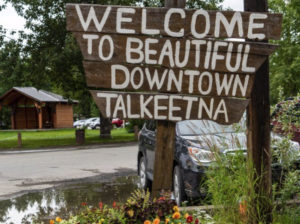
point(285, 63)
point(12, 69)
point(54, 61)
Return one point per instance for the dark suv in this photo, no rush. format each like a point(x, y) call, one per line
point(192, 153)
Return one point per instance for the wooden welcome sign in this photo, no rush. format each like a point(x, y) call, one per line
point(178, 64)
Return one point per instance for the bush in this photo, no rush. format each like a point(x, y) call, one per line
point(231, 183)
point(228, 186)
point(139, 209)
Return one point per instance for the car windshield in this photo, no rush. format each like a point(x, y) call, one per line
point(204, 127)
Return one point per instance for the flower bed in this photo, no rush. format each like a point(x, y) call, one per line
point(139, 209)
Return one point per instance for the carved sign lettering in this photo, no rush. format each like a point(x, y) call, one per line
point(173, 22)
point(175, 51)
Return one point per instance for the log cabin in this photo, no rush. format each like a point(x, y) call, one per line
point(37, 109)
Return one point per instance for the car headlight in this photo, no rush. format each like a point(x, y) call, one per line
point(201, 155)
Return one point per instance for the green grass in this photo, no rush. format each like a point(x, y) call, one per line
point(63, 137)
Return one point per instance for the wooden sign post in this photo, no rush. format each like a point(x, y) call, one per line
point(258, 136)
point(171, 64)
point(165, 141)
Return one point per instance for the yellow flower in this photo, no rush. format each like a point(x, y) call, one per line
point(176, 215)
point(51, 221)
point(175, 208)
point(58, 219)
point(147, 222)
point(156, 221)
point(167, 221)
point(186, 215)
point(130, 213)
point(102, 220)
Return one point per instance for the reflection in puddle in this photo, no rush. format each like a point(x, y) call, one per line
point(64, 201)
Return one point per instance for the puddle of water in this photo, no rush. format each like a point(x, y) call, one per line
point(64, 201)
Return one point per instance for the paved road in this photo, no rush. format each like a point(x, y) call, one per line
point(32, 170)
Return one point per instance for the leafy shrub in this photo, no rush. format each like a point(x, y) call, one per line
point(138, 206)
point(103, 215)
point(139, 209)
point(231, 183)
point(228, 186)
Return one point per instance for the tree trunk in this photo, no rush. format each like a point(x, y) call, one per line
point(105, 127)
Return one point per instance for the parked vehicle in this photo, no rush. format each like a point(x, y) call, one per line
point(117, 122)
point(287, 112)
point(95, 123)
point(193, 153)
point(90, 121)
point(78, 123)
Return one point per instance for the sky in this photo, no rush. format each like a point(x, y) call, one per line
point(10, 20)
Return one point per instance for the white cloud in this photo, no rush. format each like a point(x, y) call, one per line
point(237, 5)
point(10, 20)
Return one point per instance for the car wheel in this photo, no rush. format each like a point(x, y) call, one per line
point(144, 181)
point(178, 188)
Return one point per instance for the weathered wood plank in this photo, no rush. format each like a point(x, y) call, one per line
point(157, 22)
point(258, 138)
point(164, 154)
point(169, 107)
point(222, 56)
point(165, 143)
point(257, 48)
point(159, 79)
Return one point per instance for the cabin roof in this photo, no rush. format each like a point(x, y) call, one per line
point(41, 96)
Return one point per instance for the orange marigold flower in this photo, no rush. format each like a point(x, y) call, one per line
point(58, 219)
point(167, 221)
point(51, 221)
point(186, 215)
point(114, 204)
point(176, 215)
point(156, 221)
point(147, 222)
point(175, 208)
